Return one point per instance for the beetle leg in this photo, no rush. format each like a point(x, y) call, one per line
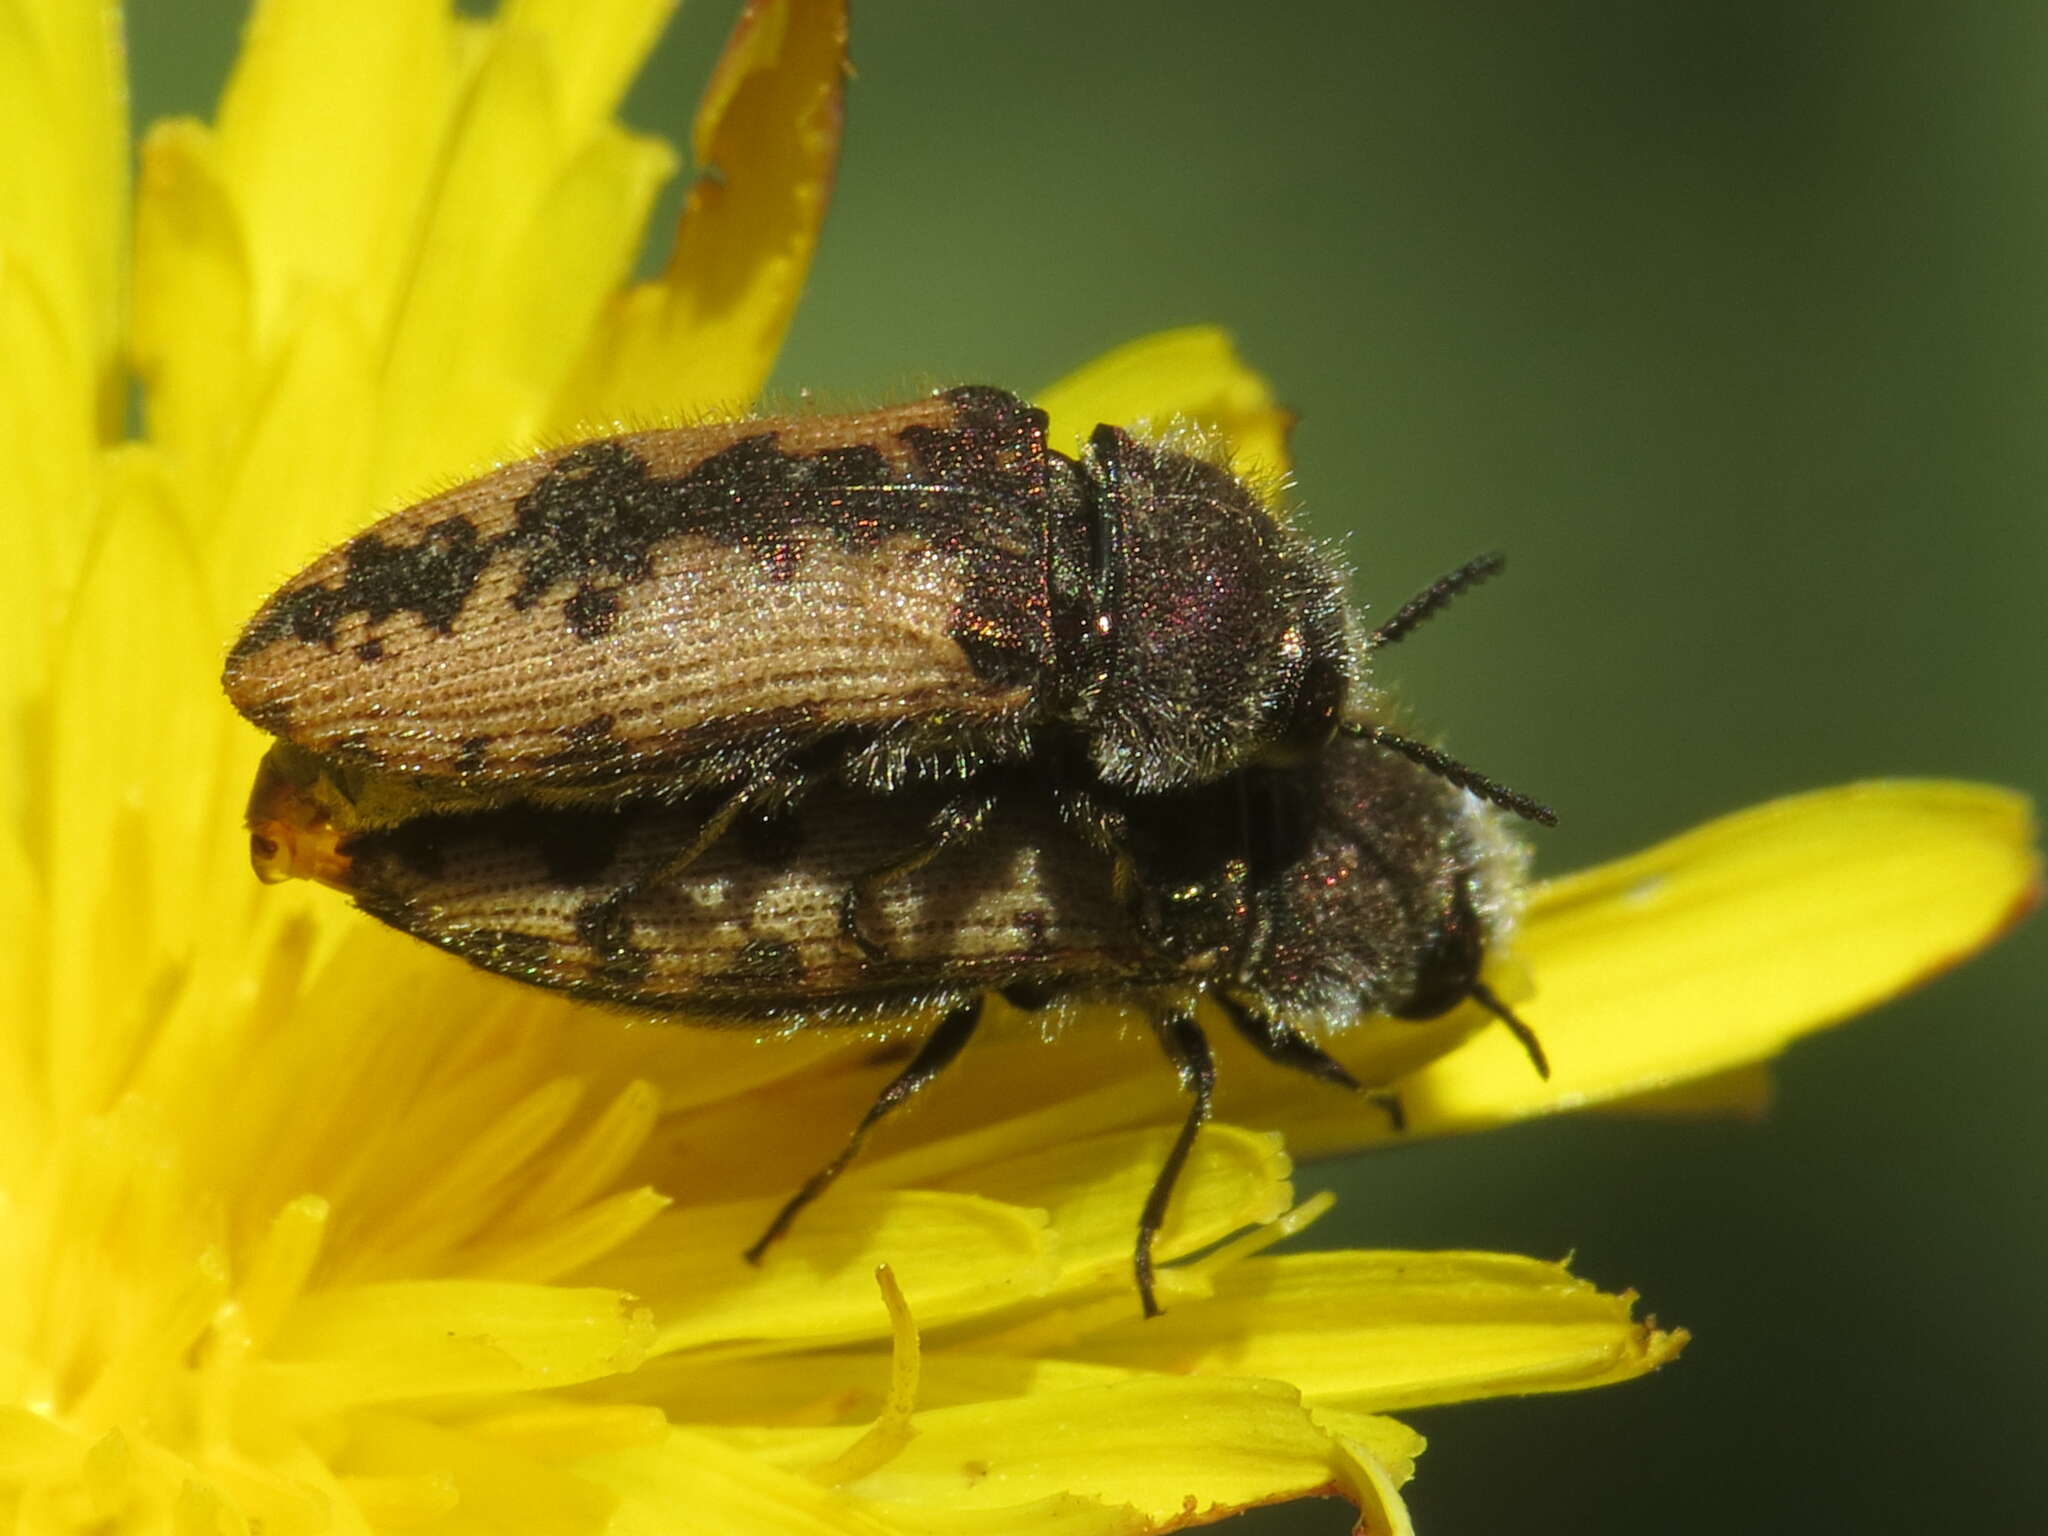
point(933, 1057)
point(1483, 995)
point(954, 822)
point(729, 810)
point(1188, 1049)
point(1285, 1046)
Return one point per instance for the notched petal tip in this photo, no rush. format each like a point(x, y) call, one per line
point(1717, 949)
point(766, 143)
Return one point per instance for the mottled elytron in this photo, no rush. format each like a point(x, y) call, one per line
point(1291, 901)
point(892, 597)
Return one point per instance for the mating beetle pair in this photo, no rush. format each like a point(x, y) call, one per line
point(838, 716)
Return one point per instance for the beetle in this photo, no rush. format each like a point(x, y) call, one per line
point(535, 719)
point(891, 597)
point(1290, 901)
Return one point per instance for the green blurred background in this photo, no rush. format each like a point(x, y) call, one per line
point(1729, 321)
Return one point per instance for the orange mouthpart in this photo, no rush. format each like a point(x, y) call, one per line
point(291, 836)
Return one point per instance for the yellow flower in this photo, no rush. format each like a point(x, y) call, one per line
point(305, 1228)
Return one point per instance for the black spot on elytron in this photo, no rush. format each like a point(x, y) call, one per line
point(597, 515)
point(604, 929)
point(470, 755)
point(980, 492)
point(1034, 923)
point(417, 848)
point(766, 960)
point(577, 847)
point(590, 612)
point(369, 651)
point(770, 840)
point(431, 579)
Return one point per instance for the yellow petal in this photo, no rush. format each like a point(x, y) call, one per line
point(845, 1386)
point(1741, 1093)
point(63, 227)
point(1094, 1190)
point(1193, 375)
point(727, 1492)
point(532, 226)
point(49, 497)
point(24, 918)
point(331, 130)
point(1724, 945)
point(1377, 1476)
point(1178, 1449)
point(131, 772)
point(193, 301)
point(63, 188)
point(1383, 1331)
point(702, 338)
point(597, 44)
point(429, 1338)
point(301, 469)
point(953, 1254)
point(412, 1472)
point(1716, 950)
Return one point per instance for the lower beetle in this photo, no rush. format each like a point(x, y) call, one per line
point(1289, 901)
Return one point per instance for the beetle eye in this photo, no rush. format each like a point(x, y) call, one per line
point(267, 856)
point(1312, 722)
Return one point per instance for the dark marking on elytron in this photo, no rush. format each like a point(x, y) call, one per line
point(603, 928)
point(590, 612)
point(370, 651)
point(418, 845)
point(578, 847)
point(470, 756)
point(432, 579)
point(595, 517)
point(770, 841)
point(1035, 923)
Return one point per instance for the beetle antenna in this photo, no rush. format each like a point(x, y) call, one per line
point(1434, 598)
point(1444, 766)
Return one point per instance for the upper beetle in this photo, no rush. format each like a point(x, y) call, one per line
point(896, 596)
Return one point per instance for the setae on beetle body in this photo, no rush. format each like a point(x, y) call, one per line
point(882, 598)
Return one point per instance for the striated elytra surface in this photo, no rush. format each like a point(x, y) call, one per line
point(912, 592)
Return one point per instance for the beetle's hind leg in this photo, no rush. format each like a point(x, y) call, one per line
point(959, 819)
point(1285, 1046)
point(604, 925)
point(1188, 1049)
point(933, 1057)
